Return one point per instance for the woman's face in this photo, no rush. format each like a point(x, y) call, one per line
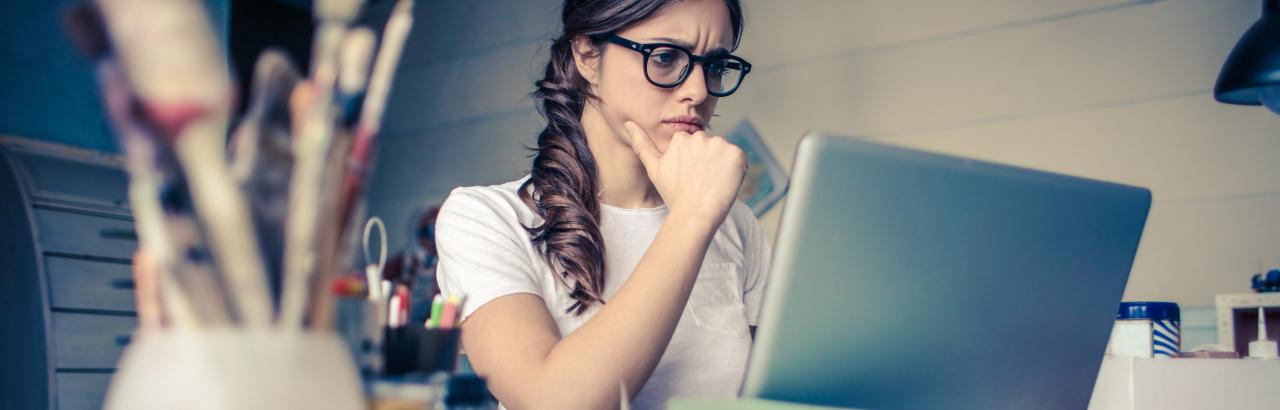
point(703, 27)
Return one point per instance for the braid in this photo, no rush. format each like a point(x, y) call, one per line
point(564, 184)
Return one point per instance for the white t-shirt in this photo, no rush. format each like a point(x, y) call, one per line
point(485, 253)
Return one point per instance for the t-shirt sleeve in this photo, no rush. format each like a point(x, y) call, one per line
point(758, 254)
point(483, 251)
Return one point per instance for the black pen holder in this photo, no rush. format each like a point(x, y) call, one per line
point(416, 349)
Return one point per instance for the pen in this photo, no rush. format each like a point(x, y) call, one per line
point(393, 311)
point(384, 298)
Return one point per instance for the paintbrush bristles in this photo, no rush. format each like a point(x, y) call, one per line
point(342, 10)
point(353, 60)
point(169, 51)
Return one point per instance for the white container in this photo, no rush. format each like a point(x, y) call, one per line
point(235, 369)
point(1146, 329)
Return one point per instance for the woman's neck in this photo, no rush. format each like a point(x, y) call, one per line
point(623, 181)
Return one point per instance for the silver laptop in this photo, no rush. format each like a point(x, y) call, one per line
point(908, 280)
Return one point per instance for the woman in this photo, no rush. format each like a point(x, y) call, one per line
point(622, 257)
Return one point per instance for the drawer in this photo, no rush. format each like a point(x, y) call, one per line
point(89, 235)
point(88, 341)
point(82, 391)
point(70, 180)
point(82, 284)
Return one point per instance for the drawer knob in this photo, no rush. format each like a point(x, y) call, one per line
point(123, 340)
point(122, 283)
point(124, 234)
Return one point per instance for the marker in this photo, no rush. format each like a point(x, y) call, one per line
point(406, 302)
point(437, 309)
point(450, 316)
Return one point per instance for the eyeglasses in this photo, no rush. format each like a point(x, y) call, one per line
point(667, 66)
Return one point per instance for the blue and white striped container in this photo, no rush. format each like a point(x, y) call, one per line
point(1166, 338)
point(1147, 329)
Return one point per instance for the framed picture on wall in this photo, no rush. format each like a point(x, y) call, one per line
point(765, 182)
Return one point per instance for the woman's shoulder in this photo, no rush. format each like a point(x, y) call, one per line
point(485, 203)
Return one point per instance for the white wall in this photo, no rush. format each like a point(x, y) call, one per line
point(1111, 89)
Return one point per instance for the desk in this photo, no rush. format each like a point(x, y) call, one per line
point(1126, 383)
point(741, 404)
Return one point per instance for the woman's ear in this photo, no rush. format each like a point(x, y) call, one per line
point(586, 56)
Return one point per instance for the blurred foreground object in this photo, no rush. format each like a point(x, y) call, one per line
point(239, 243)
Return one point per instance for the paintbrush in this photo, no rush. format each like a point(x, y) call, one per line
point(182, 290)
point(173, 62)
point(354, 60)
point(312, 153)
point(262, 160)
point(358, 162)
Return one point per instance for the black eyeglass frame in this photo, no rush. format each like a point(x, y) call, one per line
point(647, 49)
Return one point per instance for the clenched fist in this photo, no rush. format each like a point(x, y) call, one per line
point(698, 175)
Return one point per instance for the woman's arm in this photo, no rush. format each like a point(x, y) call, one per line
point(514, 342)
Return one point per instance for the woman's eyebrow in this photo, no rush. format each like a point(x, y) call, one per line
point(718, 51)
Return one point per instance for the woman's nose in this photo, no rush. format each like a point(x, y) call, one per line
point(694, 87)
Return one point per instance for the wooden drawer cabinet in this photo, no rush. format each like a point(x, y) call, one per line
point(66, 241)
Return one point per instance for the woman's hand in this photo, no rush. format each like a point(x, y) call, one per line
point(699, 174)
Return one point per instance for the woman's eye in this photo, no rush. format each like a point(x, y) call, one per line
point(716, 69)
point(665, 57)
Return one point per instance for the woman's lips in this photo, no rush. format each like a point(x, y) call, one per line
point(683, 127)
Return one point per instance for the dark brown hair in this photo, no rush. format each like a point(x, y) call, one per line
point(562, 184)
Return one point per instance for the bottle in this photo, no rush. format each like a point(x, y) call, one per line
point(1263, 348)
